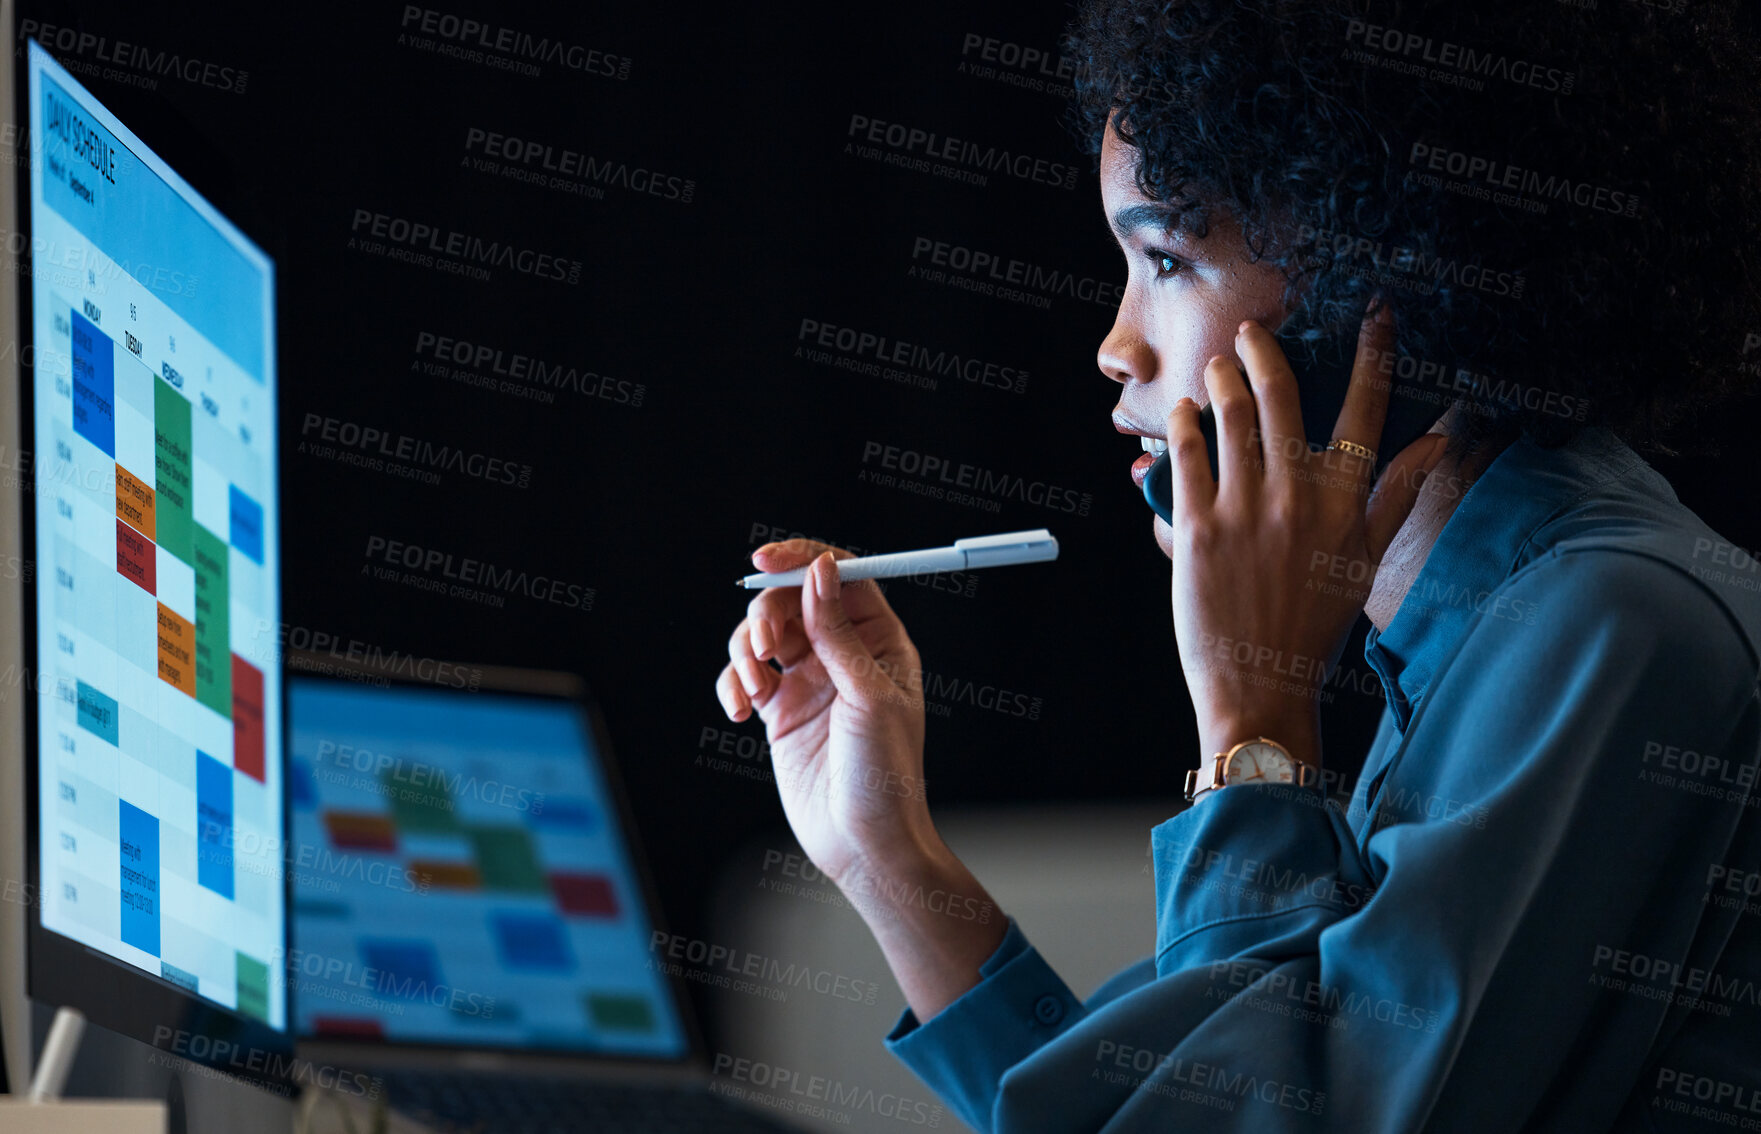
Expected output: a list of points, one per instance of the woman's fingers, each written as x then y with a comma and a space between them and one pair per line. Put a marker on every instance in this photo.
1238, 443
733, 697
1366, 398
1273, 385
834, 637
862, 599
1191, 486
1397, 491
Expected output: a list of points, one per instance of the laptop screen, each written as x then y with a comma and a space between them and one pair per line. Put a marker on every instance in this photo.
461, 877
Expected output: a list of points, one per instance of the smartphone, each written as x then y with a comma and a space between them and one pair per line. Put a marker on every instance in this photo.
1323, 374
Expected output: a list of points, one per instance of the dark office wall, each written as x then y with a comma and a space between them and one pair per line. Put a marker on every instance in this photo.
695, 418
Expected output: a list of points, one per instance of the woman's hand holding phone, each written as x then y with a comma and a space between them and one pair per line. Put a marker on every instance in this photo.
1274, 558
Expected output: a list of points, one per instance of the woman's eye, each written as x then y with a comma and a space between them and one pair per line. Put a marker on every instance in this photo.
1165, 265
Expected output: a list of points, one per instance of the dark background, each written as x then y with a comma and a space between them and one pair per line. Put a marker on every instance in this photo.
655, 506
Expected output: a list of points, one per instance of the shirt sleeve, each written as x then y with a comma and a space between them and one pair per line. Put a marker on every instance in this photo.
1441, 965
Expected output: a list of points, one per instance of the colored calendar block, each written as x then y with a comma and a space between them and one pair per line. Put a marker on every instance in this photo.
507, 859
177, 656
171, 470
213, 616
97, 713
531, 942
247, 524
138, 835
94, 385
584, 895
134, 502
616, 1012
361, 830
135, 558
253, 986
214, 868
247, 718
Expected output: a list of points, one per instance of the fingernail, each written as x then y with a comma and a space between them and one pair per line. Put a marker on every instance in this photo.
743, 670
1245, 324
761, 639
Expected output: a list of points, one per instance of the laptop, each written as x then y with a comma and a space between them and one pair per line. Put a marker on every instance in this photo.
472, 916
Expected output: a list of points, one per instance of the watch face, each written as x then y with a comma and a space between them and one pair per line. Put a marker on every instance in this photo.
1260, 763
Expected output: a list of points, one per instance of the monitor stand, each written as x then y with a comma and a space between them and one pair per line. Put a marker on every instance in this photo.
112, 1075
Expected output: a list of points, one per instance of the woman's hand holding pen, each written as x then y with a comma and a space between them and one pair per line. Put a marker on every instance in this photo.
844, 715
1274, 559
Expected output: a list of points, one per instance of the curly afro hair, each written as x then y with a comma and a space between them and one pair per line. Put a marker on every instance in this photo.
1557, 197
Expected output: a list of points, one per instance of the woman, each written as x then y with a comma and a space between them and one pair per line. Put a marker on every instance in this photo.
1534, 914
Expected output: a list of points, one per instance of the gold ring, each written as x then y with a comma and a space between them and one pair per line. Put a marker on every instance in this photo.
1354, 449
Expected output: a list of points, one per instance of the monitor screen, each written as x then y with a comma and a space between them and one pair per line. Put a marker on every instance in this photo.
464, 878
152, 426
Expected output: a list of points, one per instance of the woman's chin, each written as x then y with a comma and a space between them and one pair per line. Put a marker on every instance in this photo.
1164, 536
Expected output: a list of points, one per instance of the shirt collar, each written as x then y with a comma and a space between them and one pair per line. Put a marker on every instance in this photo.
1480, 546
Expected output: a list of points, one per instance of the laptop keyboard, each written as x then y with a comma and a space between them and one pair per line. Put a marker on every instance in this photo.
507, 1104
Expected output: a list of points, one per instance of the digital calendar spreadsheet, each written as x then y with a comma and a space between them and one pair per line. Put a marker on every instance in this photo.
152, 440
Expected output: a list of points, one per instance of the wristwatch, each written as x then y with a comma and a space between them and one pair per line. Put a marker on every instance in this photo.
1256, 761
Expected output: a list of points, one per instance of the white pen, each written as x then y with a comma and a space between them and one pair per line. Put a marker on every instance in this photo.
1036, 546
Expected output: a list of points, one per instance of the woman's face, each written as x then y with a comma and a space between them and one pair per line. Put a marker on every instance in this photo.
1184, 298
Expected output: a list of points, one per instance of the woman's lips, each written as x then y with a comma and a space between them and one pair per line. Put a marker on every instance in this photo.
1140, 468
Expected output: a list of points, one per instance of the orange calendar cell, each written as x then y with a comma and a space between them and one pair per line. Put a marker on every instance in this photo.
177, 650
134, 502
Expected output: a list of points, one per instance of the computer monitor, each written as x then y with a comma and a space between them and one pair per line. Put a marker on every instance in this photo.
154, 799
470, 879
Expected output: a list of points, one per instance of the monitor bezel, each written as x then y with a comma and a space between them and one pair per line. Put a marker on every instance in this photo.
552, 687
61, 971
